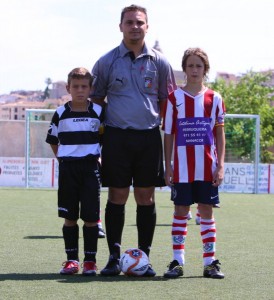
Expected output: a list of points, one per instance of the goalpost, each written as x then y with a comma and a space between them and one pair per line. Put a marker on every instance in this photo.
243, 141
37, 118
242, 145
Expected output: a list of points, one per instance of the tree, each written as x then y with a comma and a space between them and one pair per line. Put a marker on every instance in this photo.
251, 94
48, 82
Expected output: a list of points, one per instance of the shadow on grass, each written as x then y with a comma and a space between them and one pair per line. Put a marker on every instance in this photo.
81, 279
42, 237
166, 225
170, 225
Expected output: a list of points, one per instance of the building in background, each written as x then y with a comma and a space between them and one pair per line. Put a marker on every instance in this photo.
14, 105
16, 110
58, 90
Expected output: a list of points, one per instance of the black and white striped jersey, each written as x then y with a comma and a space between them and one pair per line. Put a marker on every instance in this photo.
76, 133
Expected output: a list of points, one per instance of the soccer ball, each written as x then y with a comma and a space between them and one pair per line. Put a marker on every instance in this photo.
134, 262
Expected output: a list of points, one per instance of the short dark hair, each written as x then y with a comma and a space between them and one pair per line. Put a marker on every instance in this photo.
200, 53
80, 73
133, 7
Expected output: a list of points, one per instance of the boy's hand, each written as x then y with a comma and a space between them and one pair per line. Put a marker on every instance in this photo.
218, 176
169, 176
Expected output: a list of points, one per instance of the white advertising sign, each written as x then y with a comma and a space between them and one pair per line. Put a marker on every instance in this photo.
43, 173
240, 178
12, 171
271, 179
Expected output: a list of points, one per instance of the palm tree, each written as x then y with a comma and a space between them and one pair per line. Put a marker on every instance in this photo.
48, 82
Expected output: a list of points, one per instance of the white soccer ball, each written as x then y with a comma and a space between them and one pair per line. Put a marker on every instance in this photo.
134, 262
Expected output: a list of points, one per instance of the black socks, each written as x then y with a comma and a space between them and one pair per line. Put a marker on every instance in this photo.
146, 222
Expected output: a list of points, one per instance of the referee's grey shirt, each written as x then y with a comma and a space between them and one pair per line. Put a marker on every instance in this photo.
133, 86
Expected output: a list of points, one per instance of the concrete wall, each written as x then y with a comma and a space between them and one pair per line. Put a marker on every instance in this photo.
13, 139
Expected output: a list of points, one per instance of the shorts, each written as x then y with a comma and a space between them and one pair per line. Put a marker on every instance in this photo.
79, 190
132, 157
194, 192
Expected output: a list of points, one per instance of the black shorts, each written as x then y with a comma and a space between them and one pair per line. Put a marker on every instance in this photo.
79, 190
194, 192
132, 157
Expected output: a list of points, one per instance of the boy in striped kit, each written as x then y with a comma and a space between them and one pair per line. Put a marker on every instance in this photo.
74, 138
194, 124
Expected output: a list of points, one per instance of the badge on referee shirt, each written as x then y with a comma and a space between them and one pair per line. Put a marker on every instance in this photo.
148, 82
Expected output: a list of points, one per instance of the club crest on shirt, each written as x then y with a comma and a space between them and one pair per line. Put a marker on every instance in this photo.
94, 125
148, 82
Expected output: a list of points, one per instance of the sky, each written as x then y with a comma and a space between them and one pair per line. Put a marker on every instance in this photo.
42, 39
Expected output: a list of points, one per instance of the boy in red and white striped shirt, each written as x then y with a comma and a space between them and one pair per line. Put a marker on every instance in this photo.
194, 133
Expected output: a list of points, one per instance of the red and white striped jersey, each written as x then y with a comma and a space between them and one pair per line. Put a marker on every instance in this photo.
192, 120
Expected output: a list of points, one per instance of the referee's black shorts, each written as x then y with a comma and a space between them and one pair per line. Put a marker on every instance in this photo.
132, 157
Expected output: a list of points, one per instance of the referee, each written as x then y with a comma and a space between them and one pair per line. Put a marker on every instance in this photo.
135, 80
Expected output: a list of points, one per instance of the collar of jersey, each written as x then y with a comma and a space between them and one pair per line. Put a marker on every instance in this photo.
146, 51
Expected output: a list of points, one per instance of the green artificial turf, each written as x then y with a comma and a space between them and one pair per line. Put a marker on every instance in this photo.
32, 252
